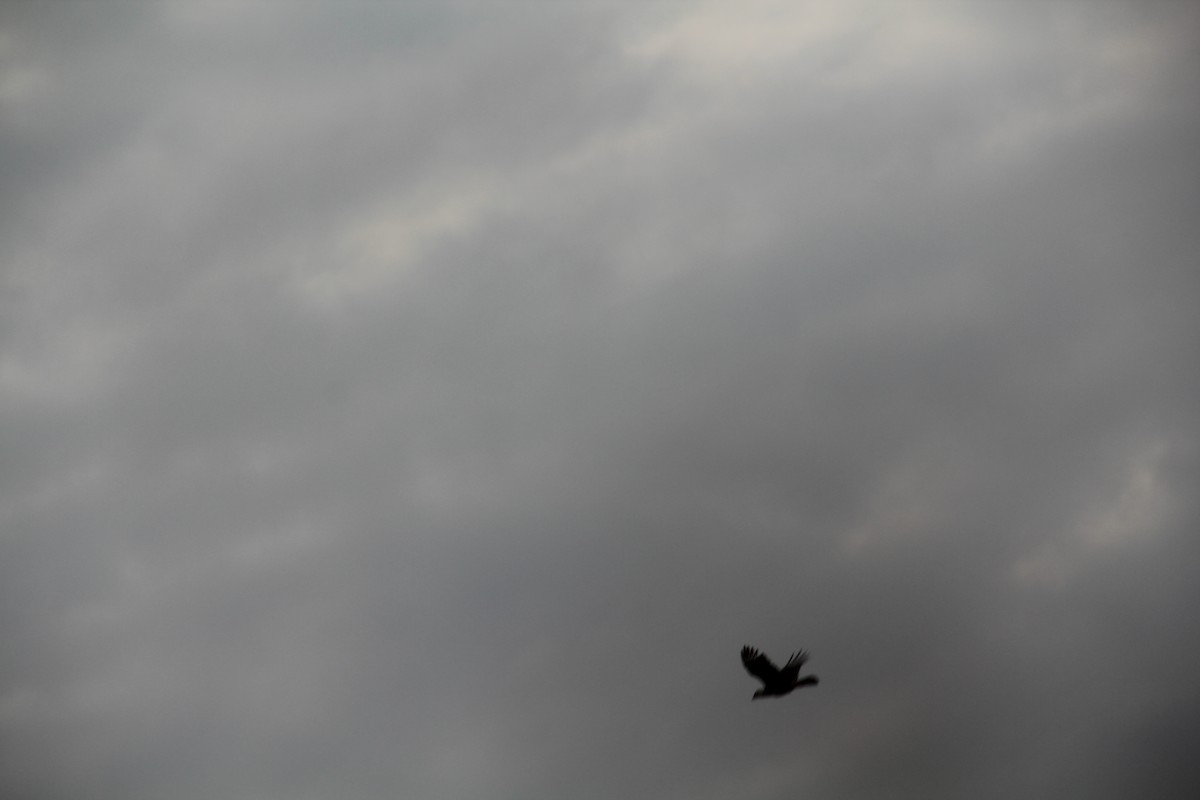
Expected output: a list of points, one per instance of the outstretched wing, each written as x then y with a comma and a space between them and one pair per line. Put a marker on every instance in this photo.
791, 670
759, 665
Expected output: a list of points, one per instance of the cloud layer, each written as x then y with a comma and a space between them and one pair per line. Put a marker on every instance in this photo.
430, 400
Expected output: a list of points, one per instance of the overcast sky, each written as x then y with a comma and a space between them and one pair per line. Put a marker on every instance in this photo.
428, 400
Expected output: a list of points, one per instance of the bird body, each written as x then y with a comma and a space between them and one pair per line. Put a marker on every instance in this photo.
776, 682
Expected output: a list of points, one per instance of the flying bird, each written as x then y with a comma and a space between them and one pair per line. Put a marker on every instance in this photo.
776, 682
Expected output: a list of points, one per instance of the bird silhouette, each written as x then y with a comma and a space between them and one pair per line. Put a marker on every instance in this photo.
776, 682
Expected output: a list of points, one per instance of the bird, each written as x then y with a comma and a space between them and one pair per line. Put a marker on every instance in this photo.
776, 682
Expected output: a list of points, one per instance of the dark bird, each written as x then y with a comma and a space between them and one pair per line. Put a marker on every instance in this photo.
776, 682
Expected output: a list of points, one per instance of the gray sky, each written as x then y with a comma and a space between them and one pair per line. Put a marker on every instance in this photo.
428, 400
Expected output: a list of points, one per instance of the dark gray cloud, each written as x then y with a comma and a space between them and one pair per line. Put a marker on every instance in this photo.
430, 400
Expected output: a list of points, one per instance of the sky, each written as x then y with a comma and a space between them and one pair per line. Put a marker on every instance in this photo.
429, 399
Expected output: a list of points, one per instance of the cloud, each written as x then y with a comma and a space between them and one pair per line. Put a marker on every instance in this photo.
431, 400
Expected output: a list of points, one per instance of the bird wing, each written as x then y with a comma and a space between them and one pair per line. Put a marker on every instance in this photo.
791, 669
759, 665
